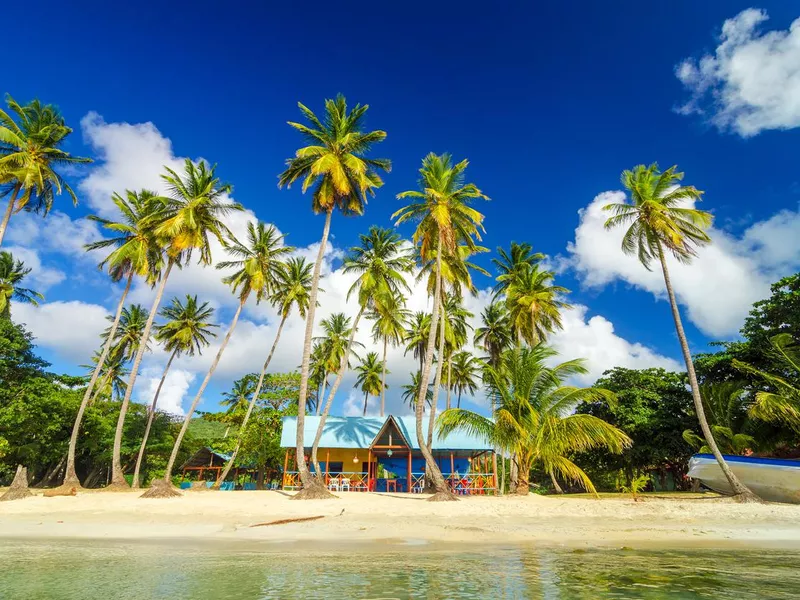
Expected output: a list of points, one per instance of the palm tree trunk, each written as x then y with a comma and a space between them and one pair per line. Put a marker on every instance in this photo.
383, 378
555, 484
740, 491
312, 487
523, 473
70, 476
177, 446
332, 393
4, 225
252, 404
449, 380
459, 399
322, 397
366, 396
432, 469
437, 380
150, 418
117, 476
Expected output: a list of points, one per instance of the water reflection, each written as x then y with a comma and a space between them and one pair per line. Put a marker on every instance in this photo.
110, 571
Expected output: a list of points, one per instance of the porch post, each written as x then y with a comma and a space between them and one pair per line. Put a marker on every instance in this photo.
285, 467
494, 472
408, 485
452, 467
327, 465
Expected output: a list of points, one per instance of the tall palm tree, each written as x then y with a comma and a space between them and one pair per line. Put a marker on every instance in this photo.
129, 334
417, 334
318, 377
113, 374
30, 151
781, 403
445, 220
494, 335
511, 264
456, 334
532, 418
534, 304
290, 289
388, 326
726, 411
660, 223
187, 330
255, 268
136, 252
369, 377
466, 374
342, 176
411, 391
237, 399
381, 262
195, 207
12, 273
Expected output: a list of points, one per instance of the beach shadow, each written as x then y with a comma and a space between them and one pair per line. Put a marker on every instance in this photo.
359, 431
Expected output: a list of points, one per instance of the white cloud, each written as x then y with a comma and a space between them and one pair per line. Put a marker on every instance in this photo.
173, 392
752, 81
71, 329
717, 288
40, 278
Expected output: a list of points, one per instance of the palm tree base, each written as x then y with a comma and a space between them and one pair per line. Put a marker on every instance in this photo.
161, 489
445, 496
315, 491
117, 487
748, 497
65, 489
19, 487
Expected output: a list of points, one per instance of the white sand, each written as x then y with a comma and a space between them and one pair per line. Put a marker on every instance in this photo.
370, 517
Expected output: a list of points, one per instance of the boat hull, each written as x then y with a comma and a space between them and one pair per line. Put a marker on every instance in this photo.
771, 479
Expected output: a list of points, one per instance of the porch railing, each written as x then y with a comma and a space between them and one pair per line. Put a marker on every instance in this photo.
466, 484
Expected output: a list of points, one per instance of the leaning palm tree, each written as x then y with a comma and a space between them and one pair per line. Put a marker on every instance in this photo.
255, 268
342, 176
12, 273
388, 326
466, 374
187, 330
445, 220
381, 263
661, 223
136, 252
195, 207
533, 417
368, 377
291, 289
534, 304
30, 151
725, 406
781, 404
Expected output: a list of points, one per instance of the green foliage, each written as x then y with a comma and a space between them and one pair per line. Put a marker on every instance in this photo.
12, 273
653, 408
636, 486
725, 406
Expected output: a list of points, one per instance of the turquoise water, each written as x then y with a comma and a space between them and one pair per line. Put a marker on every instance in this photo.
111, 571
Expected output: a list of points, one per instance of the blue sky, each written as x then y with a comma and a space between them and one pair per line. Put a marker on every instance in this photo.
549, 103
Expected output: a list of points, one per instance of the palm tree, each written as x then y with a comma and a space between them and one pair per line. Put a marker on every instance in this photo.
533, 303
369, 377
129, 334
254, 274
113, 377
136, 253
456, 334
445, 220
291, 289
466, 374
660, 223
30, 149
186, 331
318, 376
494, 335
411, 391
194, 209
417, 334
532, 418
12, 272
388, 326
336, 165
380, 262
782, 403
512, 263
338, 349
237, 399
725, 406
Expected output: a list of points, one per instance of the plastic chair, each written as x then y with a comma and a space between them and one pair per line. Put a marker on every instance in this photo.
333, 485
185, 485
345, 485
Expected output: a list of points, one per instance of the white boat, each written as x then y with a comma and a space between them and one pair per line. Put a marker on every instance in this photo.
773, 479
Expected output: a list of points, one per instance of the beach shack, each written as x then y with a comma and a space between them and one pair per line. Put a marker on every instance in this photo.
206, 465
381, 454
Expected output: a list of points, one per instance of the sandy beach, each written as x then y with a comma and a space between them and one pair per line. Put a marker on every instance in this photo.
354, 518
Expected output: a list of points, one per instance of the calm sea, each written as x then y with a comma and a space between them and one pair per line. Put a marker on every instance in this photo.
125, 570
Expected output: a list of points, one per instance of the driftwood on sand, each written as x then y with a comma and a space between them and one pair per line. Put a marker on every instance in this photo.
285, 521
61, 491
19, 487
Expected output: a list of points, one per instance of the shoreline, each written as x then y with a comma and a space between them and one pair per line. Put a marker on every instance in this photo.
401, 522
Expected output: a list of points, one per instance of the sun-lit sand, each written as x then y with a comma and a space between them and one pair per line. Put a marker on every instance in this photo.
356, 517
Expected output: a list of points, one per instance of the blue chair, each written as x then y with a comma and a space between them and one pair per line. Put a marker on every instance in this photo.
185, 485
249, 486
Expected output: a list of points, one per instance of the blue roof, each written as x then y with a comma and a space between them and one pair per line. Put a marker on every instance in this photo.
359, 432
